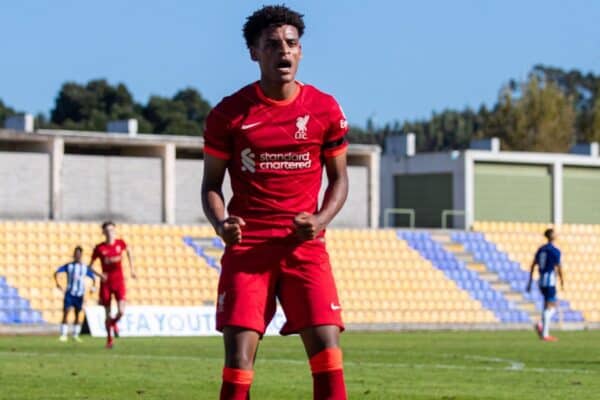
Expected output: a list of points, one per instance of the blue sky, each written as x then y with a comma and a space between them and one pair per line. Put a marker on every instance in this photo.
390, 60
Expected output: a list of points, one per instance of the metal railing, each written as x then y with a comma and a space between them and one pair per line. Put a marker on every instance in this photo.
399, 211
446, 213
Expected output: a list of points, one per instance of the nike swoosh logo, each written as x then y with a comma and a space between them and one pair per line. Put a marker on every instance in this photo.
335, 307
248, 126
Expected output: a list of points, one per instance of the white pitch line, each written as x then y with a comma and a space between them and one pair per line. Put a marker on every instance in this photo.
514, 365
349, 363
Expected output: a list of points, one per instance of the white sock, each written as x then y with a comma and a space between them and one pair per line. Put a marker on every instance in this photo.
547, 318
64, 328
76, 330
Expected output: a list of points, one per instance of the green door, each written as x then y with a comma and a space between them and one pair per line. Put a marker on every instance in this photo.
427, 194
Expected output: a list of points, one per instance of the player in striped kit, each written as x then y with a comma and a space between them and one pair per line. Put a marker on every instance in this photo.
547, 258
76, 273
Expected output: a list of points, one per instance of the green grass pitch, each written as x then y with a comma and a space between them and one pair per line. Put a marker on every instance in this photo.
405, 365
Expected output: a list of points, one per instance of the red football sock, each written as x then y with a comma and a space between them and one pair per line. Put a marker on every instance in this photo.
107, 325
236, 384
328, 375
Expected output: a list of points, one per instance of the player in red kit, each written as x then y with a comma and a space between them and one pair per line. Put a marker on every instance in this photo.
110, 252
274, 137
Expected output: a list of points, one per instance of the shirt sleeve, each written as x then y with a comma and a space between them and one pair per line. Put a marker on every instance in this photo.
335, 142
217, 135
62, 269
558, 256
123, 245
89, 272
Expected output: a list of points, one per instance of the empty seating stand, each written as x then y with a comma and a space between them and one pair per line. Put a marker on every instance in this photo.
168, 272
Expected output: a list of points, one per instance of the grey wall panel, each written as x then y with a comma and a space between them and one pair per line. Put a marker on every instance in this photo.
513, 192
85, 188
188, 203
355, 212
24, 185
136, 188
188, 182
581, 195
122, 188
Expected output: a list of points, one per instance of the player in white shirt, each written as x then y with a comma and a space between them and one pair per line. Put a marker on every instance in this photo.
76, 273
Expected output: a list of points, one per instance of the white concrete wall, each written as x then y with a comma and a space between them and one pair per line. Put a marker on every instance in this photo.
24, 185
355, 213
122, 188
188, 182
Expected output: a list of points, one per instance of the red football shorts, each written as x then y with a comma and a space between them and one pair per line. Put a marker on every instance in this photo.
299, 275
110, 287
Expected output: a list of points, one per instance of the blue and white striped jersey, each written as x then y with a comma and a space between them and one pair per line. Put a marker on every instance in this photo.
76, 273
547, 258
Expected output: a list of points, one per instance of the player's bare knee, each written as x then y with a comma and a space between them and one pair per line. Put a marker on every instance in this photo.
240, 359
317, 339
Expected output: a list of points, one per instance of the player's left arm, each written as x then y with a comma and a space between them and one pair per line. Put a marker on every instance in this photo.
559, 271
130, 259
334, 148
309, 225
531, 269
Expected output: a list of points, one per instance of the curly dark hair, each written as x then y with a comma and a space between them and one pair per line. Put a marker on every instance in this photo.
107, 223
271, 16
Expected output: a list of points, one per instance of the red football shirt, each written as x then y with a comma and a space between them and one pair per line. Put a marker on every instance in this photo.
276, 152
111, 256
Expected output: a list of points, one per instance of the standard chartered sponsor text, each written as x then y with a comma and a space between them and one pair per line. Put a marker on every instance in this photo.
288, 161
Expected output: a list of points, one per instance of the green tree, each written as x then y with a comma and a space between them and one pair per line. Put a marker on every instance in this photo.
5, 112
90, 107
541, 119
184, 114
196, 107
592, 133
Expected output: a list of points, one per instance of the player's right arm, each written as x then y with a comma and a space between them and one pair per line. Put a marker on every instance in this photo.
59, 270
213, 202
218, 148
559, 271
91, 265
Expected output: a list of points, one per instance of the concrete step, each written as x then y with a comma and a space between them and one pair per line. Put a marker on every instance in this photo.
488, 277
442, 238
514, 297
526, 306
478, 267
454, 248
501, 286
466, 258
